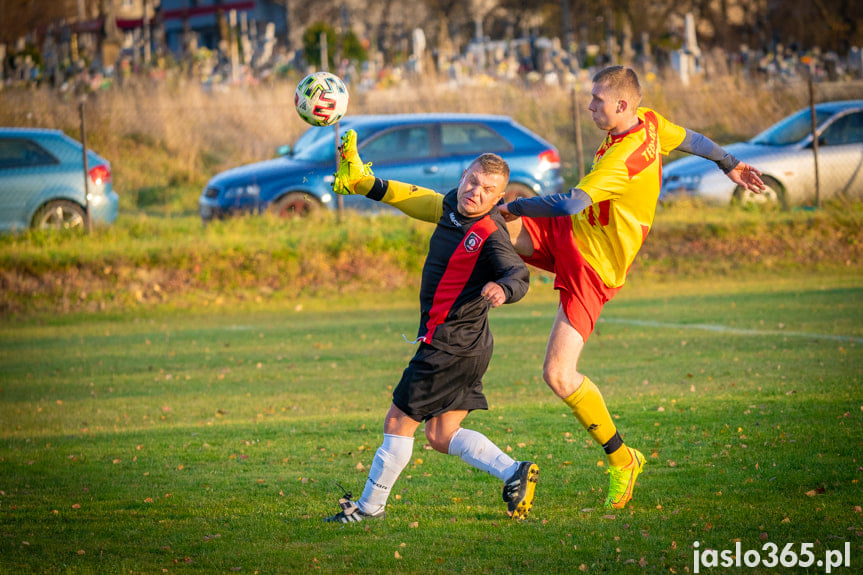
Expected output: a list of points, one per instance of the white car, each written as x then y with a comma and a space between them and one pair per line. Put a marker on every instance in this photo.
784, 155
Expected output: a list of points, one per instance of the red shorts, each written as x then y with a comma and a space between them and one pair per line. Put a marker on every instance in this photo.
582, 291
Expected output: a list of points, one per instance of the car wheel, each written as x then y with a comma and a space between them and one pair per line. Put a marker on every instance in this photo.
60, 215
294, 204
773, 195
515, 190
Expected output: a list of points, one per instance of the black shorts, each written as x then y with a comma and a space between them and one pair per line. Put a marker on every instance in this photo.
435, 382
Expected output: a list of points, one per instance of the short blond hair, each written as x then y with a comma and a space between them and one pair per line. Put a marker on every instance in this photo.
622, 81
491, 164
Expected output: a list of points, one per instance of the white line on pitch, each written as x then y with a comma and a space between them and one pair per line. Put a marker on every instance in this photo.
730, 330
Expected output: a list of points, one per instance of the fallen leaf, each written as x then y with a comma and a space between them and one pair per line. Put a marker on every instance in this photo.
397, 555
414, 525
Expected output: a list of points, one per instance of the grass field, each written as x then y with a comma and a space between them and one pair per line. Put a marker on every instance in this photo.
182, 442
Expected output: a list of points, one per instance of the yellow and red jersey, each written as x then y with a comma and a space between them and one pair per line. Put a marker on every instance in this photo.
624, 185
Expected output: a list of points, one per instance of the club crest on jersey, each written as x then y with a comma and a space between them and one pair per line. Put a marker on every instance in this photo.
472, 242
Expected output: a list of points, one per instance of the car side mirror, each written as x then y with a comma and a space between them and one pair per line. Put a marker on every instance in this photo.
284, 151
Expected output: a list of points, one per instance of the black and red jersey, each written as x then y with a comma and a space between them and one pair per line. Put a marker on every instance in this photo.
464, 254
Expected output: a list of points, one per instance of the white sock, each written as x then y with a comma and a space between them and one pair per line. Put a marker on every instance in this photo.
477, 450
390, 459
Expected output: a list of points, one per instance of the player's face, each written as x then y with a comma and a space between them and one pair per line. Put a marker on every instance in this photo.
604, 108
479, 192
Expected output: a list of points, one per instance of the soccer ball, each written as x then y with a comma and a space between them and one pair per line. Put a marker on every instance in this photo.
321, 99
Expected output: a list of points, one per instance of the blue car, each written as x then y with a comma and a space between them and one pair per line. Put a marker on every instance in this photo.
429, 150
42, 182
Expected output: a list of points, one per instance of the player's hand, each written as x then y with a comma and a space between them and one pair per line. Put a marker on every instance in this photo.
507, 215
493, 294
747, 177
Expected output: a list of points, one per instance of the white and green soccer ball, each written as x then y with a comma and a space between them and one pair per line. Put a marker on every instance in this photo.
321, 99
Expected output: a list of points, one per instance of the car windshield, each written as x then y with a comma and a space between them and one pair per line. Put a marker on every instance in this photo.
318, 149
319, 144
790, 130
308, 138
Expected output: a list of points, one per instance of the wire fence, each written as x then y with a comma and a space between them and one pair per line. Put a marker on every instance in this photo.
164, 141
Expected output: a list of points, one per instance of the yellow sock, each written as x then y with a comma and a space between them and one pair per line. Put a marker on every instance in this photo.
589, 408
364, 185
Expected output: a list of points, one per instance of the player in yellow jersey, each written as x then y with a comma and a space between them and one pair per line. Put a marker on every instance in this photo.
590, 236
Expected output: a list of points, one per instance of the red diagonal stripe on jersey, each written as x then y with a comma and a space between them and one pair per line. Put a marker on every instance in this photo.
458, 270
648, 151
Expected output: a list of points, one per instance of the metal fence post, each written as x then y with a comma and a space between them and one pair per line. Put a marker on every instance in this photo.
340, 200
814, 136
576, 119
86, 168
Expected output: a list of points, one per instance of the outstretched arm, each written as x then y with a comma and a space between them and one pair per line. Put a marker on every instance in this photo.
739, 172
566, 204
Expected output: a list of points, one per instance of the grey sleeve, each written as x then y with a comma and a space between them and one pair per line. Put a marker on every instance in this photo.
699, 145
551, 206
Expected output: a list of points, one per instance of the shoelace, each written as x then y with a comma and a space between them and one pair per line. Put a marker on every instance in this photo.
347, 494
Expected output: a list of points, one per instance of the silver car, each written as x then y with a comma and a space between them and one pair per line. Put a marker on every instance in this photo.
784, 155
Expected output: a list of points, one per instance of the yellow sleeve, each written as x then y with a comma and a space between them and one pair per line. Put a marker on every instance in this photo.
420, 203
609, 178
670, 135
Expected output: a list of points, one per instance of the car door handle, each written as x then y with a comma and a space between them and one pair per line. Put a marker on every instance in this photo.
431, 169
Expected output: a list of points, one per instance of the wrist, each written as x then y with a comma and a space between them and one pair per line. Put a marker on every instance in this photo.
514, 207
727, 163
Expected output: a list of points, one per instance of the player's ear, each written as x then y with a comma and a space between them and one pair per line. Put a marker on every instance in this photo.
622, 105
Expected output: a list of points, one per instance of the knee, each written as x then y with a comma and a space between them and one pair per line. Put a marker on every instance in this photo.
438, 439
561, 380
554, 375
